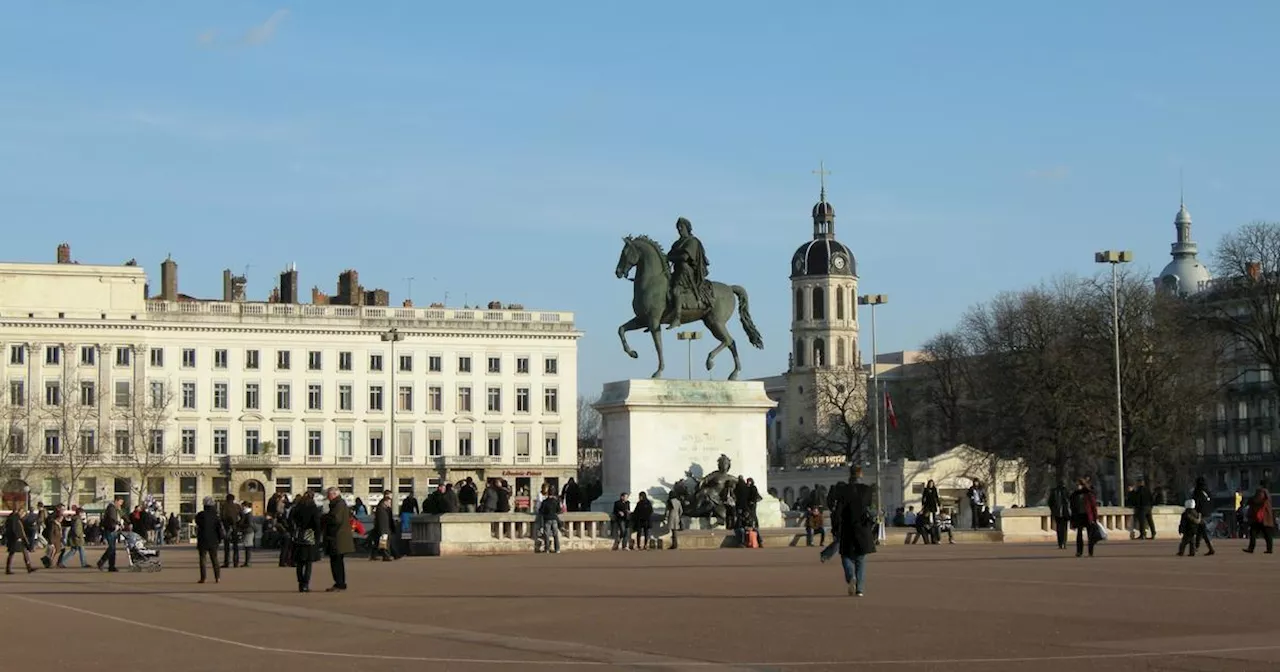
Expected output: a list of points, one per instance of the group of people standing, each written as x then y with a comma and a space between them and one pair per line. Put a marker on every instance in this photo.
306, 532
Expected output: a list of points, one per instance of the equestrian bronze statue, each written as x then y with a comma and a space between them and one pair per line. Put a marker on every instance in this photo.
673, 289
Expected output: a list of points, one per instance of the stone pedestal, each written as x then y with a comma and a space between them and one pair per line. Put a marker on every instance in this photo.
657, 431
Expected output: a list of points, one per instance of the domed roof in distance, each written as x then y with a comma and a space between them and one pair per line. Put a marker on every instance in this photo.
823, 256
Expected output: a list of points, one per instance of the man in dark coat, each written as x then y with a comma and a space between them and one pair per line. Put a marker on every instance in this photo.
571, 495
229, 514
1142, 502
409, 505
16, 540
1060, 511
1204, 506
209, 536
111, 534
337, 539
835, 501
857, 533
467, 496
451, 503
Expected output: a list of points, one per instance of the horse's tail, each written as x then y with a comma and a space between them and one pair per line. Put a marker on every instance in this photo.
744, 313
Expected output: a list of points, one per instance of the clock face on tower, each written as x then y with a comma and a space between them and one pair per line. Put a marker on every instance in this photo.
838, 262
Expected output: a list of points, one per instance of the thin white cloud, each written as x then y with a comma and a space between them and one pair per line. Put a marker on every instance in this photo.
263, 32
255, 36
1050, 174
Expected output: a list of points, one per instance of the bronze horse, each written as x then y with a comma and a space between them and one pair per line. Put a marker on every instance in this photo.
649, 302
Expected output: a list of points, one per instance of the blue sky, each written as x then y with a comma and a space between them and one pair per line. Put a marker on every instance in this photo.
975, 147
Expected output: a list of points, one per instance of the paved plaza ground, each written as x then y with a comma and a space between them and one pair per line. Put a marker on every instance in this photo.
965, 607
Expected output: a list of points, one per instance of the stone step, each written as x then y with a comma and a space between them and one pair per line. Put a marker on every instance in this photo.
781, 537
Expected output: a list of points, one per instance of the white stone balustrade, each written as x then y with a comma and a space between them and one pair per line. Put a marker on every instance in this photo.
1034, 523
495, 533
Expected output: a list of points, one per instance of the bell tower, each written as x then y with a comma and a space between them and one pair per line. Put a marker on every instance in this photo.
824, 318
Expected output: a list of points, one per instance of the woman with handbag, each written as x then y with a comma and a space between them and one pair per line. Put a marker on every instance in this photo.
383, 527
1084, 516
305, 520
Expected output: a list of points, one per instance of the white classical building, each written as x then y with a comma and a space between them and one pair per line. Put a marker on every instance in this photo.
108, 392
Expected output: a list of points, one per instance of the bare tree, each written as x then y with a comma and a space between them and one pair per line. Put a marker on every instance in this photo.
67, 416
1030, 376
1245, 303
842, 427
589, 421
15, 456
948, 358
144, 444
1169, 363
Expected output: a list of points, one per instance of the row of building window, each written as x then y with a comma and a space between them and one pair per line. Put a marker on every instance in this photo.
254, 443
818, 357
1243, 445
818, 307
284, 360
158, 397
1265, 409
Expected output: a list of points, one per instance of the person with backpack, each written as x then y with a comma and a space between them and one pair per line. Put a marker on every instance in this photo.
549, 514
1261, 518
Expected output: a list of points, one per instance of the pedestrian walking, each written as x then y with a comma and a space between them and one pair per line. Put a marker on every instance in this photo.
1262, 520
209, 536
338, 541
16, 540
857, 534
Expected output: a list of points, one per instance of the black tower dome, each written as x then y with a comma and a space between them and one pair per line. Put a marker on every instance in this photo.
824, 255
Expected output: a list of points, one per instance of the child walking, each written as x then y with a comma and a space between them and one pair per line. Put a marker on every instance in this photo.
1188, 527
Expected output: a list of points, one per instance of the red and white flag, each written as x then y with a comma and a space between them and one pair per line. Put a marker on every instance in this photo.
888, 407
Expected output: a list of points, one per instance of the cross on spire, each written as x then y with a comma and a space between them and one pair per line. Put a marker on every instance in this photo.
822, 174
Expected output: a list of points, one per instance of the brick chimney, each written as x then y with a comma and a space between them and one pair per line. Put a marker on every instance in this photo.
349, 291
1253, 269
289, 285
169, 280
408, 303
64, 253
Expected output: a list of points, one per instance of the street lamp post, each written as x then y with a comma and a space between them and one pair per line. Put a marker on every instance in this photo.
874, 300
1115, 258
690, 337
393, 336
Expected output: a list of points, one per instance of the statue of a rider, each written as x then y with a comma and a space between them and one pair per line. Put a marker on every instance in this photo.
689, 289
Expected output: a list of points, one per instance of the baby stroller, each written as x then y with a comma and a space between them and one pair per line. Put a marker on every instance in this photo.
141, 558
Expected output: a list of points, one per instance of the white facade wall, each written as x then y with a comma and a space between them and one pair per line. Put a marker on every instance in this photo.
206, 348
